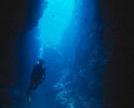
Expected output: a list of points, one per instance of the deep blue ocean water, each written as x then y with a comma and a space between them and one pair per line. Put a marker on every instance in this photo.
68, 37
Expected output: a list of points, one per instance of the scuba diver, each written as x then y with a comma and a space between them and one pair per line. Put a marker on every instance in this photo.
37, 76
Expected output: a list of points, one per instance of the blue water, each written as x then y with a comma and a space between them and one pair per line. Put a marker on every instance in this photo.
68, 38
54, 21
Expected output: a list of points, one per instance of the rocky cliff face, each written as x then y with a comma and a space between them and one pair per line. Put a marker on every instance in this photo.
16, 18
119, 74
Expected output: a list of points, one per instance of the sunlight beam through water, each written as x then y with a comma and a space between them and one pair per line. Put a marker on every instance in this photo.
54, 21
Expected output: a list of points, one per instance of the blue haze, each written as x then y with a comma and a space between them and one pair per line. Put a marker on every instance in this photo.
68, 37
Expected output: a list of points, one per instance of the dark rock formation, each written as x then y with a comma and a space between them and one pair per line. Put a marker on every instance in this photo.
119, 77
16, 17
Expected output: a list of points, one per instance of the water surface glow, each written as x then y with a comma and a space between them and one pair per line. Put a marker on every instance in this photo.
54, 21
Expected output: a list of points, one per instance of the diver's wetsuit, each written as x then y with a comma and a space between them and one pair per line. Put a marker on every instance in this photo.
37, 77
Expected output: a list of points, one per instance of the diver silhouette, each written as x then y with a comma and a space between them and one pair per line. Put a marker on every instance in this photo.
37, 77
